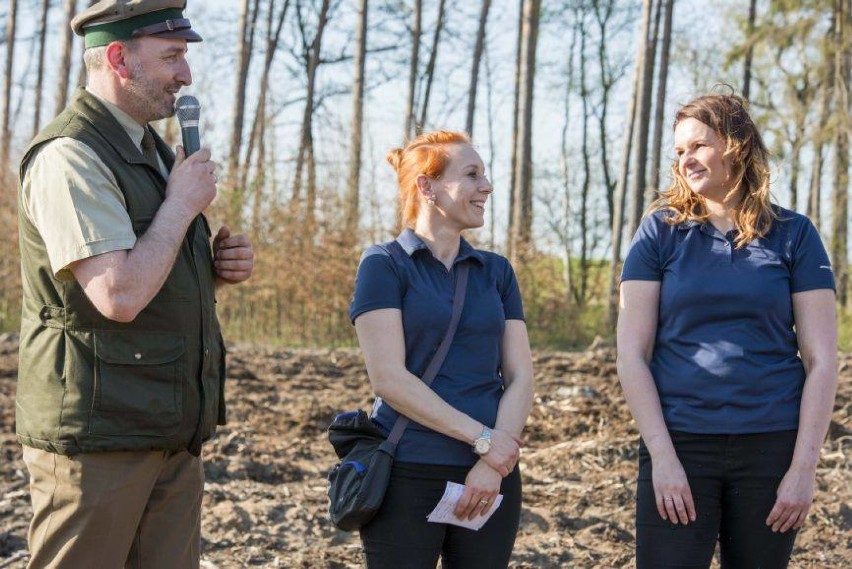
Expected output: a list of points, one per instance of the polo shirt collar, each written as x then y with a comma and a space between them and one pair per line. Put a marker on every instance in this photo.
707, 228
411, 243
134, 130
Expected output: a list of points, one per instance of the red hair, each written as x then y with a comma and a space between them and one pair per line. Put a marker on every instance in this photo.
426, 155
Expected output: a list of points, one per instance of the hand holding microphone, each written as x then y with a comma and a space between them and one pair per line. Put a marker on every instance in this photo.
233, 254
192, 182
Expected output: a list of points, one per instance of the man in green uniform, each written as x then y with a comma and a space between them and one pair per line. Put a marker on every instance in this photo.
122, 361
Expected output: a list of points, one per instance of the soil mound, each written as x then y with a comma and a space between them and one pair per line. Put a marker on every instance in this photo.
265, 502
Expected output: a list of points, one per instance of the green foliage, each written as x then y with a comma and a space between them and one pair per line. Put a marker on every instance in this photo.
554, 318
300, 291
844, 329
10, 265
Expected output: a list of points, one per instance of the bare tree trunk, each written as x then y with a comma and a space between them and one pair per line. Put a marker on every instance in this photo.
621, 193
306, 145
64, 71
354, 180
840, 196
795, 161
248, 21
489, 103
565, 225
515, 119
259, 122
7, 84
644, 107
430, 67
584, 194
752, 13
42, 34
662, 78
522, 225
260, 174
413, 70
257, 138
474, 68
815, 197
311, 193
603, 13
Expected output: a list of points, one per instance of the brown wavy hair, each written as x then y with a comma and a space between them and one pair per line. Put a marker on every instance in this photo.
728, 116
427, 155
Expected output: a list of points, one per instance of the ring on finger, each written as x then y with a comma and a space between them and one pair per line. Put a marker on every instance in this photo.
484, 501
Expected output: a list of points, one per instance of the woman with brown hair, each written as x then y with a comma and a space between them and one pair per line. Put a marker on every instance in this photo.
465, 427
727, 343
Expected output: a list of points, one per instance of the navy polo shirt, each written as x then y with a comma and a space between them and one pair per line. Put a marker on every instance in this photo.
726, 359
422, 288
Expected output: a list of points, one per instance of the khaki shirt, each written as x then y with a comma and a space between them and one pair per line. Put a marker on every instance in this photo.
74, 200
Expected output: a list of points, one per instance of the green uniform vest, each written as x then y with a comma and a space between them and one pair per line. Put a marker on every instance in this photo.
90, 384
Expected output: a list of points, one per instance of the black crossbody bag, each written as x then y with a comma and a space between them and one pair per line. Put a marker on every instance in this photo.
357, 484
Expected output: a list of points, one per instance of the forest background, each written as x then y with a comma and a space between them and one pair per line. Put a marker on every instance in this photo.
570, 103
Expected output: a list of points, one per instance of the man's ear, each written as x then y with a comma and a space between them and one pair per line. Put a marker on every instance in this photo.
424, 185
116, 59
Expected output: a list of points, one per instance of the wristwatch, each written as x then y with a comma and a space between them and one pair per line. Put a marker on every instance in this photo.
482, 444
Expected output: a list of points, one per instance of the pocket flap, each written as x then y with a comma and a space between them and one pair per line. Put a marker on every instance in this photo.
138, 348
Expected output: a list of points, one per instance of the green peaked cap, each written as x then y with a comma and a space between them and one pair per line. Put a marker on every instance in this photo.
119, 20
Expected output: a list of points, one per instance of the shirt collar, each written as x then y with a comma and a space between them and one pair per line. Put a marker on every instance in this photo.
134, 130
688, 224
411, 243
706, 228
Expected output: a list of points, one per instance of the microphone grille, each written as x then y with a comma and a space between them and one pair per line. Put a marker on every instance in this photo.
188, 108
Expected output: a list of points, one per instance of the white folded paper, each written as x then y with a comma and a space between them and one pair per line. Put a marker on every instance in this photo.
443, 512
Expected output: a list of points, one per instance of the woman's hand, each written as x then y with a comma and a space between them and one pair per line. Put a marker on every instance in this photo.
481, 487
504, 453
671, 489
795, 495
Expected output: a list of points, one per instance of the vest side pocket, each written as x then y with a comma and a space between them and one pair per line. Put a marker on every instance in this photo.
138, 384
41, 382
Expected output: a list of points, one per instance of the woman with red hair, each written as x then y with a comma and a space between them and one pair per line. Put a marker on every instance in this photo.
465, 427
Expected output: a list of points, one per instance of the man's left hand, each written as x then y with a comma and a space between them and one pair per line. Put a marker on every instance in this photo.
233, 256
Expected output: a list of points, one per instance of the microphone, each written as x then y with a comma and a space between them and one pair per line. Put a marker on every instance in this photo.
188, 112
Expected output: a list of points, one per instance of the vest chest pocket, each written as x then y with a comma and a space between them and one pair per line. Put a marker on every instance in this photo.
138, 384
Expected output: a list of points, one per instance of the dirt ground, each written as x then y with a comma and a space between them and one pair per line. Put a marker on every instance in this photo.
265, 502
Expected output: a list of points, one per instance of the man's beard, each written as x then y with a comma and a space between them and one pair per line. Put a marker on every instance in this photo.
148, 98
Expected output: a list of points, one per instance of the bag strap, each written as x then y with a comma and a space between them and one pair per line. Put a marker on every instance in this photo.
441, 354
397, 252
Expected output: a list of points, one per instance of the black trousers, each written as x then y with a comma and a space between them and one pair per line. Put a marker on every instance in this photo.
399, 537
733, 480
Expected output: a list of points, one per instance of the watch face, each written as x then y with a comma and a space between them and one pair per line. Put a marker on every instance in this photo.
482, 446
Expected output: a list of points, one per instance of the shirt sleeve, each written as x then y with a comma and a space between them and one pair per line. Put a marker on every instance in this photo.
513, 304
377, 284
811, 268
643, 259
74, 201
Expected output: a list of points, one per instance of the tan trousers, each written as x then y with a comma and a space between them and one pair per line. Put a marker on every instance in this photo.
136, 510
